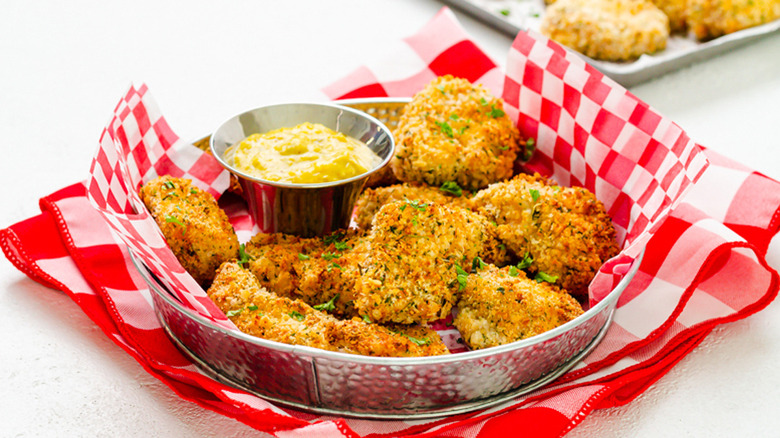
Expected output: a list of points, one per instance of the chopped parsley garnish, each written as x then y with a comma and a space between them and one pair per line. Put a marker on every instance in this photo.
534, 194
333, 238
454, 117
421, 342
302, 256
530, 146
330, 256
513, 271
526, 262
441, 89
504, 12
496, 112
462, 277
297, 315
415, 205
366, 319
232, 313
243, 257
483, 102
169, 185
173, 219
341, 246
332, 265
193, 191
252, 307
477, 264
452, 188
327, 307
445, 128
541, 276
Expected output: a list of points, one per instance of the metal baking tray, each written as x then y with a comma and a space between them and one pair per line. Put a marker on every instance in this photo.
680, 52
343, 384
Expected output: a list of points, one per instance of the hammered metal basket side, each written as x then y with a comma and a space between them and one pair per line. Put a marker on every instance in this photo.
438, 386
377, 387
278, 373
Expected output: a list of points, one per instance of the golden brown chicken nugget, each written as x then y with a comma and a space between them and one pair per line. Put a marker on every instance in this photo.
611, 30
677, 11
712, 18
455, 131
196, 229
562, 233
320, 271
418, 252
499, 306
372, 199
258, 312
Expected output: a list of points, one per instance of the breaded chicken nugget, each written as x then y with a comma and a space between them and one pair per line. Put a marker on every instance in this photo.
382, 177
712, 18
454, 131
261, 313
611, 30
319, 271
499, 306
565, 231
418, 253
196, 229
372, 199
676, 10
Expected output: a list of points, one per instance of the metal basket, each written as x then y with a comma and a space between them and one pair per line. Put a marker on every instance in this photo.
343, 384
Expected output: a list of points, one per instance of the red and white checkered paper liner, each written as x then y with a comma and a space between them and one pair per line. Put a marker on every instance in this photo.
704, 261
135, 147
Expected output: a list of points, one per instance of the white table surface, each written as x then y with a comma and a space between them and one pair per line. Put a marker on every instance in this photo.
64, 65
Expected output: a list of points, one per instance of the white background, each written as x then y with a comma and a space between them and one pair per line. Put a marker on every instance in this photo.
63, 67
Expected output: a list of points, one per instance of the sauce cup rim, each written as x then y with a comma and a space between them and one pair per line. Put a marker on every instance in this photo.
385, 160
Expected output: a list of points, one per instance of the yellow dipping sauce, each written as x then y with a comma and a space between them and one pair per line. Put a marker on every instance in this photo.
308, 153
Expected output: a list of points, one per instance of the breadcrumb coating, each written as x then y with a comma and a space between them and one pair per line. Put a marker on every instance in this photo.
258, 312
712, 18
677, 11
372, 199
417, 251
610, 30
382, 177
566, 232
196, 229
455, 131
499, 306
316, 270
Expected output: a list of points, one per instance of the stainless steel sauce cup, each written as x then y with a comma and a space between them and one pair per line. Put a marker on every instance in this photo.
302, 209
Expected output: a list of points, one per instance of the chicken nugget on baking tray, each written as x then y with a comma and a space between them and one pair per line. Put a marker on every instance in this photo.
610, 30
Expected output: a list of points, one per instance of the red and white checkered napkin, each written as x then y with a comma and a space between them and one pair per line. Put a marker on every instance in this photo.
703, 220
